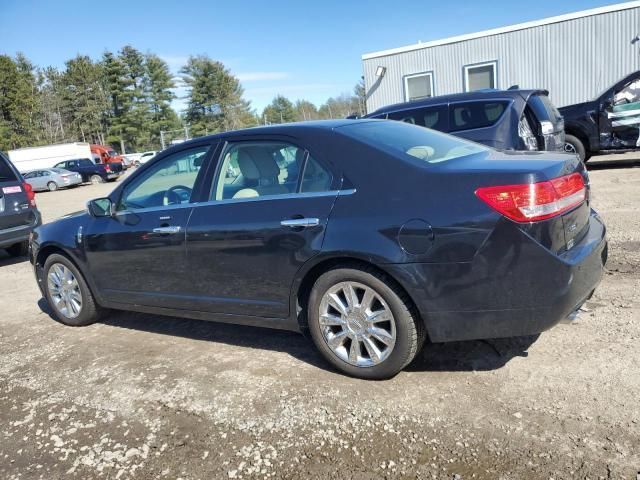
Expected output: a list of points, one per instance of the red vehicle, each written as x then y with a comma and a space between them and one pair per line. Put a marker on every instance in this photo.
106, 154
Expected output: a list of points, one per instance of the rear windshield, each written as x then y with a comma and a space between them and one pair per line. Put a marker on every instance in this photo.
6, 172
543, 109
417, 142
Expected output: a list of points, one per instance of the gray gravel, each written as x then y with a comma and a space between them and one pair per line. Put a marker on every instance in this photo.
141, 396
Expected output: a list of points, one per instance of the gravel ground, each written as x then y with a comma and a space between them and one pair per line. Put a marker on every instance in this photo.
141, 396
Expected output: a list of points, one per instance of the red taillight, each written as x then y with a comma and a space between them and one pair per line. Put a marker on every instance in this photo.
531, 202
30, 195
107, 168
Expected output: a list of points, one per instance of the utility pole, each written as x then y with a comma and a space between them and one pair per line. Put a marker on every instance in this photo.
162, 139
186, 133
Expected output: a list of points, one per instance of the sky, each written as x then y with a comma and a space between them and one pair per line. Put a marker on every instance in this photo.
298, 49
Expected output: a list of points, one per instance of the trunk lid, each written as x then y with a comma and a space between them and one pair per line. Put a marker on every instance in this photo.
558, 233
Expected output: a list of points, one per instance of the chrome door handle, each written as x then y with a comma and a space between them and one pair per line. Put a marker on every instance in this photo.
167, 230
300, 222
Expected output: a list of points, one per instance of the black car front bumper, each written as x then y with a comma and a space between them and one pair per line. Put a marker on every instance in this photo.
506, 292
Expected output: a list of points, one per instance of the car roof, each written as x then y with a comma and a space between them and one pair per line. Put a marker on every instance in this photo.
279, 129
487, 94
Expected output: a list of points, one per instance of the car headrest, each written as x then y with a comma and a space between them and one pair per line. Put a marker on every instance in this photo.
247, 165
264, 161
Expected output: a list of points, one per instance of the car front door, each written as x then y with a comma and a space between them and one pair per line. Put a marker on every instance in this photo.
137, 256
619, 119
266, 216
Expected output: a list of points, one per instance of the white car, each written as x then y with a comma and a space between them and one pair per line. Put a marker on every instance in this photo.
145, 157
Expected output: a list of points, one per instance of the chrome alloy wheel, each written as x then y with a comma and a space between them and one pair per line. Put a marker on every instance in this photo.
64, 290
569, 148
357, 324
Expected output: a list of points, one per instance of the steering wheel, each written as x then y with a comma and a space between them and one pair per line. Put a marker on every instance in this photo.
172, 195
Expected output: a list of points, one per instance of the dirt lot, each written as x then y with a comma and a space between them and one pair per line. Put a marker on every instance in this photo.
152, 397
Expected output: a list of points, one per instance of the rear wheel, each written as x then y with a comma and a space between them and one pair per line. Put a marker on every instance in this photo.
19, 249
574, 145
95, 179
363, 324
68, 293
52, 186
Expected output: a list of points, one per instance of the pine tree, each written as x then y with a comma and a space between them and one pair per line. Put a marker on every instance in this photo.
215, 101
280, 110
158, 88
84, 101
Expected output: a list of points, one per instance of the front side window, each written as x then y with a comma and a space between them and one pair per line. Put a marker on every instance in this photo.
468, 115
480, 76
418, 86
168, 182
259, 169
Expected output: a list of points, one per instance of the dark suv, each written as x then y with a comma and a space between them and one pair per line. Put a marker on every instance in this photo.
91, 172
18, 212
511, 119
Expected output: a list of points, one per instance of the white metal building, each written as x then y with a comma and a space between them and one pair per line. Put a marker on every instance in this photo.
574, 56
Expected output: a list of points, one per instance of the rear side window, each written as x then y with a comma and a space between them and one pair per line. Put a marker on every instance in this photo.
86, 163
465, 116
431, 117
6, 172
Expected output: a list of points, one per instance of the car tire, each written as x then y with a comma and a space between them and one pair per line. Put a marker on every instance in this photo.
19, 249
95, 179
574, 145
64, 304
52, 186
404, 332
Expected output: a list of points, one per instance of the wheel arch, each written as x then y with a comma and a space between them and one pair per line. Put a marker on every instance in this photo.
580, 134
304, 283
49, 249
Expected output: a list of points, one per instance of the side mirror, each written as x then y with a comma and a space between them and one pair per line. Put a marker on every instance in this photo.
100, 207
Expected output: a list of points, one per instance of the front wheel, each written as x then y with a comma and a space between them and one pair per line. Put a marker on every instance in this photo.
363, 323
574, 145
95, 179
68, 294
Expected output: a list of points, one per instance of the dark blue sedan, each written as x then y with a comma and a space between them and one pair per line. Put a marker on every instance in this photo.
373, 236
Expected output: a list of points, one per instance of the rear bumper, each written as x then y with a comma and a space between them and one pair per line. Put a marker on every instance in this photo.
11, 236
513, 292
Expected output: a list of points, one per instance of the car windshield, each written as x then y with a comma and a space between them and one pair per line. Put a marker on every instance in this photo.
112, 153
410, 140
57, 170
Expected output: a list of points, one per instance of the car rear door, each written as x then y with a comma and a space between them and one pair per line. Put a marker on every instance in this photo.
266, 215
15, 211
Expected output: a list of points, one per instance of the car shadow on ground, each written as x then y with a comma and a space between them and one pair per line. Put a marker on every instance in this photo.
454, 357
6, 259
613, 164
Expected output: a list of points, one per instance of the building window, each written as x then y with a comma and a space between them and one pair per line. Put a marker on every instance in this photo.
417, 86
480, 76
